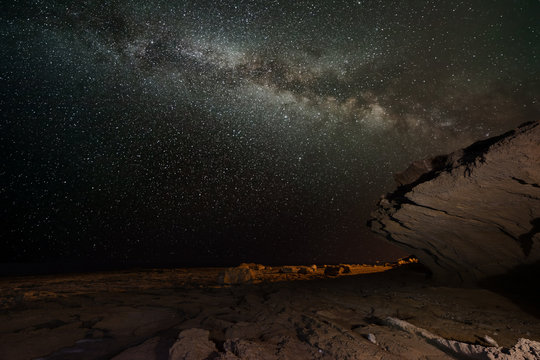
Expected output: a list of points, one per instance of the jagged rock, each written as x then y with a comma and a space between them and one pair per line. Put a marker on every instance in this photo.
237, 275
471, 214
525, 349
419, 168
192, 344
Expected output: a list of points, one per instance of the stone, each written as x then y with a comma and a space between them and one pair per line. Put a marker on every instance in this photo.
237, 275
371, 338
192, 344
472, 214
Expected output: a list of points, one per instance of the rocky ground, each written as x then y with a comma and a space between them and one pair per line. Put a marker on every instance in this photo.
253, 312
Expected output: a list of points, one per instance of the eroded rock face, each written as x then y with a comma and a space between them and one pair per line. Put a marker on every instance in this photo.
470, 214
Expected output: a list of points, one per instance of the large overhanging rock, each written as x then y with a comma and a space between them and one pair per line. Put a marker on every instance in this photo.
471, 214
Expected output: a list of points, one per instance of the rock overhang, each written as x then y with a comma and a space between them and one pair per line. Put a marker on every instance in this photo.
471, 214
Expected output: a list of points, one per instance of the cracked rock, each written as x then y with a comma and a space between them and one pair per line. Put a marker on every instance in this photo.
192, 344
471, 214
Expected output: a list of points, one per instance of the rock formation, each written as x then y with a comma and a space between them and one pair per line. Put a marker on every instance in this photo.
473, 213
525, 349
237, 275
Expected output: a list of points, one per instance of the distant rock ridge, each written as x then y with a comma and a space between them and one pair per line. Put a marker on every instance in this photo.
471, 214
250, 273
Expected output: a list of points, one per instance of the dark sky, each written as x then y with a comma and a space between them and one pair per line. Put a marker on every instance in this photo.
207, 132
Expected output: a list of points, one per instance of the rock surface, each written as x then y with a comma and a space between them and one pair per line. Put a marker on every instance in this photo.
145, 351
245, 274
238, 275
151, 315
525, 349
472, 214
192, 344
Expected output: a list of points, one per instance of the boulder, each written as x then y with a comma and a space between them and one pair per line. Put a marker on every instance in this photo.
237, 275
472, 214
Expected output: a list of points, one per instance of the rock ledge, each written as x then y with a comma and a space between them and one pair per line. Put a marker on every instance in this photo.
471, 214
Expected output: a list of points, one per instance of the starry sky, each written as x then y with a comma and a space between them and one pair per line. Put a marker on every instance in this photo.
215, 132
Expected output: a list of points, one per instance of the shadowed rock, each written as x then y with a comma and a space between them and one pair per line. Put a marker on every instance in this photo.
473, 213
192, 344
525, 349
333, 270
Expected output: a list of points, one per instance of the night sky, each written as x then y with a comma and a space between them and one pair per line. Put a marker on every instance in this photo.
215, 132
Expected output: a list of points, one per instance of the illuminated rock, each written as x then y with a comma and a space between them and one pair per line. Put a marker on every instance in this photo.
473, 213
237, 275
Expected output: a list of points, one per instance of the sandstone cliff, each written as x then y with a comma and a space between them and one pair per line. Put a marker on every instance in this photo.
473, 213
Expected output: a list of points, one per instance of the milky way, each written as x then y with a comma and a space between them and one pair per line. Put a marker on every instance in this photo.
207, 132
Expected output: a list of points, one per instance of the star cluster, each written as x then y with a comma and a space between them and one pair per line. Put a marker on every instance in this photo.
207, 132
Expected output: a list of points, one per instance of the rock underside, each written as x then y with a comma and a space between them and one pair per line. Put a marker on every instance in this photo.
472, 214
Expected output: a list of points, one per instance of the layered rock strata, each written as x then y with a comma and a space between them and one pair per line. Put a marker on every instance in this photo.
472, 214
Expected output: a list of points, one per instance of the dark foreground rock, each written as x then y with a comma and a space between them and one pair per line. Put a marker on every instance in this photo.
150, 315
192, 344
472, 214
